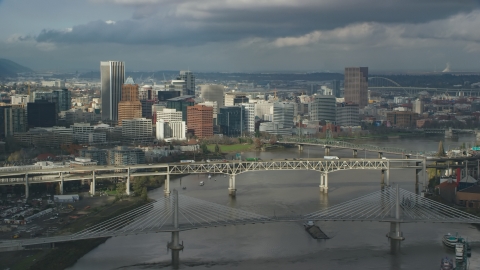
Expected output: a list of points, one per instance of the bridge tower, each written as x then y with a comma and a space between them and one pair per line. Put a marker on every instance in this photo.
395, 235
166, 189
175, 245
92, 184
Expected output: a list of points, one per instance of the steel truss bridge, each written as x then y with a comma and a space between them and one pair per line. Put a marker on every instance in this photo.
389, 204
329, 143
232, 168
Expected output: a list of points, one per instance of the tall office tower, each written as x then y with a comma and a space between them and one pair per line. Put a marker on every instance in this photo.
13, 119
322, 108
189, 79
230, 120
41, 114
283, 113
356, 86
336, 88
130, 107
200, 120
249, 120
112, 76
64, 99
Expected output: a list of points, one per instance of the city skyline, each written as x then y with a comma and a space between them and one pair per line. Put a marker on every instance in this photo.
246, 36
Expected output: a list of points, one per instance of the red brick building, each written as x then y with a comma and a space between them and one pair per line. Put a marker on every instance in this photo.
200, 120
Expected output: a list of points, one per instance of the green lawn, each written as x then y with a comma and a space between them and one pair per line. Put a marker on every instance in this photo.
231, 148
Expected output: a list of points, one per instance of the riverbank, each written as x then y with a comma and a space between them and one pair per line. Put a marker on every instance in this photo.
230, 148
66, 254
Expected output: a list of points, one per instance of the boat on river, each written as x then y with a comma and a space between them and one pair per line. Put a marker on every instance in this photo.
446, 264
450, 240
201, 183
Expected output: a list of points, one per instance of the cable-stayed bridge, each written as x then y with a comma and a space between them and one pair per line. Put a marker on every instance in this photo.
176, 213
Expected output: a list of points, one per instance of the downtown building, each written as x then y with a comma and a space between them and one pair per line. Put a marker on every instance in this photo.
348, 115
137, 130
129, 107
356, 86
169, 125
200, 120
13, 119
189, 81
322, 108
112, 76
230, 120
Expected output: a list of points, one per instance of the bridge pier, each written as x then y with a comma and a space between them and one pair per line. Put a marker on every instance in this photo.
27, 188
61, 183
166, 189
382, 178
175, 245
355, 153
92, 184
388, 173
380, 155
327, 150
321, 182
325, 183
417, 182
127, 189
300, 148
231, 186
406, 156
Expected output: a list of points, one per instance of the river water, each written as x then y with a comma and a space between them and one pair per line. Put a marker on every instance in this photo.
353, 245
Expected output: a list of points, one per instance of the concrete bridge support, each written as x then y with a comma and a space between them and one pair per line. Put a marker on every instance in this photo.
300, 148
231, 186
388, 173
61, 183
92, 184
166, 189
127, 189
324, 182
382, 178
417, 183
327, 150
380, 155
406, 156
355, 153
175, 245
27, 188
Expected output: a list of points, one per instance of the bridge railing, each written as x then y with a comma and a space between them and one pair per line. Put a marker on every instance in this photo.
343, 144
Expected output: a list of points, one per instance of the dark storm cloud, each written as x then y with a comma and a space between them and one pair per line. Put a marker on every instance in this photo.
189, 23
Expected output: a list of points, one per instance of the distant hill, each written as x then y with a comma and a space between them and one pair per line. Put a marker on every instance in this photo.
10, 69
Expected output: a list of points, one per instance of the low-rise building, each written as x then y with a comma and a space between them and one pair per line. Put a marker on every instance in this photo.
402, 119
122, 155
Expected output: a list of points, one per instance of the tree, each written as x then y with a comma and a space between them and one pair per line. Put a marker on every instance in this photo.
144, 195
258, 143
121, 190
441, 151
140, 183
217, 148
204, 148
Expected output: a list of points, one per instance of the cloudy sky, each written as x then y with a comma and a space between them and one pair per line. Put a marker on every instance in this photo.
242, 35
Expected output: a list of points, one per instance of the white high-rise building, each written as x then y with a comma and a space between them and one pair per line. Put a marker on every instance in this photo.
249, 114
418, 106
263, 108
169, 115
20, 99
112, 76
170, 130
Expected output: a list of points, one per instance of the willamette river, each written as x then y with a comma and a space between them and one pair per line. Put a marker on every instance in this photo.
353, 245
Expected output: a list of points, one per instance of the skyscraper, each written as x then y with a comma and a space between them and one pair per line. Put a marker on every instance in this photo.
200, 120
356, 85
112, 76
189, 79
129, 107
